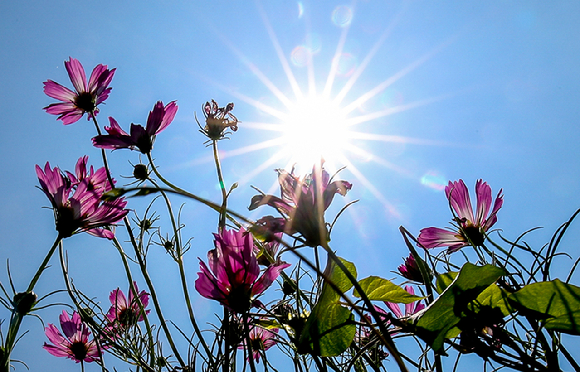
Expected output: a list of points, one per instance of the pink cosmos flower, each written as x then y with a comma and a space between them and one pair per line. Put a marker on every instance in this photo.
87, 96
123, 314
75, 343
261, 340
84, 210
232, 275
470, 228
142, 138
268, 248
302, 204
410, 309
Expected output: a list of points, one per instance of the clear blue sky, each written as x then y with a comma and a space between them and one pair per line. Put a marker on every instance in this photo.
479, 90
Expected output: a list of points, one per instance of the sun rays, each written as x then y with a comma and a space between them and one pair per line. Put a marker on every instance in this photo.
310, 123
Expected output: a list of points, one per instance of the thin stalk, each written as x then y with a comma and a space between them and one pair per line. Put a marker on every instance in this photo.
136, 296
16, 317
179, 260
385, 337
222, 221
248, 342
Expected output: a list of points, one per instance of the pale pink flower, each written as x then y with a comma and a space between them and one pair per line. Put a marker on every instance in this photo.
302, 204
469, 229
141, 138
87, 96
125, 313
232, 275
261, 340
75, 343
76, 200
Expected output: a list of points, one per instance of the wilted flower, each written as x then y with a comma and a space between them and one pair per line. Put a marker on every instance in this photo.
217, 120
232, 276
470, 229
87, 96
84, 210
75, 343
410, 309
302, 204
142, 138
262, 339
122, 313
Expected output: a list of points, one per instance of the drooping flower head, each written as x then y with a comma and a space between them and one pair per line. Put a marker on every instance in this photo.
411, 270
75, 343
232, 275
141, 138
302, 204
262, 339
76, 200
218, 120
470, 228
125, 313
410, 309
87, 96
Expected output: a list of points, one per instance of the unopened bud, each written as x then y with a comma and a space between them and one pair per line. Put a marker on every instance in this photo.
24, 301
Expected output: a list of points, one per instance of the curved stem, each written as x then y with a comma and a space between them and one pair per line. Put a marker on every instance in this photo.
179, 260
16, 317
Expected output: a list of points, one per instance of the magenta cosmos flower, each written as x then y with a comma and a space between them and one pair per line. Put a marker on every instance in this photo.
410, 309
142, 138
232, 275
125, 313
76, 200
261, 340
75, 343
86, 97
470, 229
302, 204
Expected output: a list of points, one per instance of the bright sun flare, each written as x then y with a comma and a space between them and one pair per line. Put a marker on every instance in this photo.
315, 128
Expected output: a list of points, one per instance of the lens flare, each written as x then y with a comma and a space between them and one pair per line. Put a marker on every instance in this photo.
300, 56
434, 180
342, 16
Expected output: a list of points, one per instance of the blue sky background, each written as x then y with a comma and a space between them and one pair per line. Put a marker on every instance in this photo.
480, 90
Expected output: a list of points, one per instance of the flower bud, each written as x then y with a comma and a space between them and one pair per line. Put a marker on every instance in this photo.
140, 172
24, 301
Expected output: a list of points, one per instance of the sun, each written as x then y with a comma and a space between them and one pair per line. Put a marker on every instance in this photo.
314, 128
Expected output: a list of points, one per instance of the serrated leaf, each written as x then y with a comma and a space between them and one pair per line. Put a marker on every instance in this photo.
437, 321
339, 278
555, 303
379, 289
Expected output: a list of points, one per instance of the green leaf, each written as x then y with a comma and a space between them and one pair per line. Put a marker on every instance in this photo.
555, 303
440, 319
113, 194
330, 328
444, 280
379, 289
339, 278
496, 298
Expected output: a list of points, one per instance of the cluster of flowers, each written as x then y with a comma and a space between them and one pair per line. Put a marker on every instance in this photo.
232, 274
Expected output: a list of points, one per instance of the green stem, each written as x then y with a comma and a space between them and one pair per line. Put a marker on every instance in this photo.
384, 333
222, 221
16, 317
179, 260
